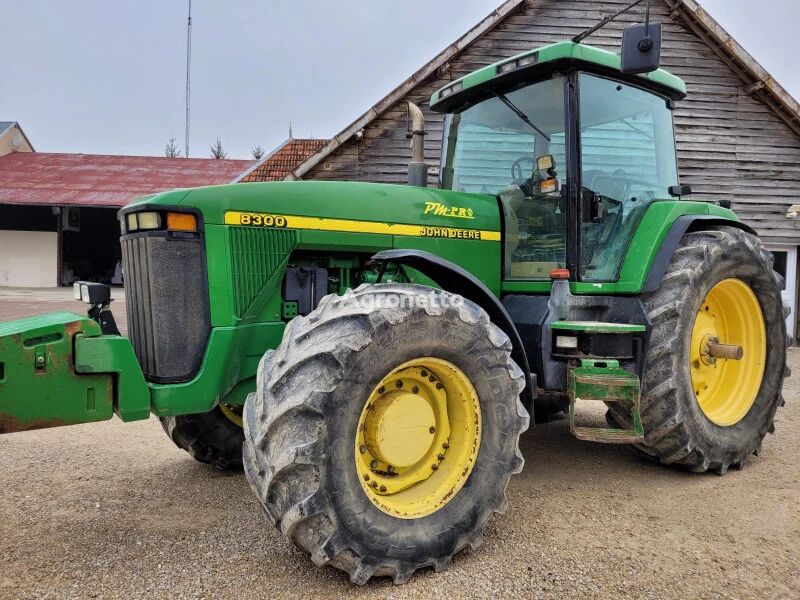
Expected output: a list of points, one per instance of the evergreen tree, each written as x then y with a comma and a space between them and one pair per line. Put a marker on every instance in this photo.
217, 151
171, 149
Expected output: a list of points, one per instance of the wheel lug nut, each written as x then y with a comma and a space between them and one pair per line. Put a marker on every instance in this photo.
440, 456
431, 378
362, 448
383, 488
366, 477
415, 390
434, 467
381, 389
374, 484
374, 464
399, 383
424, 373
439, 386
432, 429
446, 445
390, 468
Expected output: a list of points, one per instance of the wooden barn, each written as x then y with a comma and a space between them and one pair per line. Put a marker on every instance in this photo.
738, 131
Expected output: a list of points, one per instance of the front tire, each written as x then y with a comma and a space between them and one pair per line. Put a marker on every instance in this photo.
307, 432
698, 412
213, 438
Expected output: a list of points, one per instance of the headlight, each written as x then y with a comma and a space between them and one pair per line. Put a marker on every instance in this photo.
151, 220
506, 67
92, 293
566, 341
148, 220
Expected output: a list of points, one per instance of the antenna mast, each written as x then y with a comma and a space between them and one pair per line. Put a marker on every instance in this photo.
581, 36
188, 74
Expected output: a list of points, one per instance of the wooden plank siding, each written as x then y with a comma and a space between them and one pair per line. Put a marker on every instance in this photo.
731, 145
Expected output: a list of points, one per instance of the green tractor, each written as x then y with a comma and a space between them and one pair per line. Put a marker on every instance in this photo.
370, 354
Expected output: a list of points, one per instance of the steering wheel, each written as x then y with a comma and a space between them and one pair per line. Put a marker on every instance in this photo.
517, 172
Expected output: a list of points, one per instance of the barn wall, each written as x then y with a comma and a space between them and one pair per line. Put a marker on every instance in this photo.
30, 259
730, 145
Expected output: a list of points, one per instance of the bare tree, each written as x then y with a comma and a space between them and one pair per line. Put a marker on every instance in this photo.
257, 152
171, 149
217, 151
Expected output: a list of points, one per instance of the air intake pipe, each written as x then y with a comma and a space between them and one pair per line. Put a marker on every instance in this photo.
417, 168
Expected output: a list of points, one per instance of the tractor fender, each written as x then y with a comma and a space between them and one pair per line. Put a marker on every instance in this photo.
452, 278
672, 240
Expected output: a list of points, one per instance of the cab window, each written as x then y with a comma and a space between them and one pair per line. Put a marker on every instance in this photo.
495, 147
628, 161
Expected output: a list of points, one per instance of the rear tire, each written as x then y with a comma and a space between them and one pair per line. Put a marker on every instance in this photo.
210, 438
677, 429
301, 426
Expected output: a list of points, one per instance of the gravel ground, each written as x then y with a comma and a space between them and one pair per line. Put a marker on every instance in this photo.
116, 511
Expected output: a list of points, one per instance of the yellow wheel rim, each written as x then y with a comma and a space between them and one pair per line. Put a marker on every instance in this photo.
418, 437
233, 412
726, 388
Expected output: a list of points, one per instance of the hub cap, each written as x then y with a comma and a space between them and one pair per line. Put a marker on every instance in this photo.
725, 388
233, 412
418, 438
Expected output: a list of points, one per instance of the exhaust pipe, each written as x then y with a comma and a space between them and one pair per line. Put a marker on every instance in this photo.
417, 168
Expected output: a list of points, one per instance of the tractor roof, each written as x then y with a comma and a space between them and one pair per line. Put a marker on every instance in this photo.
527, 65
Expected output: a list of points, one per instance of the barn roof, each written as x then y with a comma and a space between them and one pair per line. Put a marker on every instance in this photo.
43, 178
282, 161
758, 81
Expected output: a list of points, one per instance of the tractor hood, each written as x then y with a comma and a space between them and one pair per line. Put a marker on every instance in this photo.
379, 208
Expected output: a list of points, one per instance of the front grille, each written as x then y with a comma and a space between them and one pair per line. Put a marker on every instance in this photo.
167, 299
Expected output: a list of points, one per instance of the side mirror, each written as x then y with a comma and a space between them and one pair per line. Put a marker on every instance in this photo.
641, 48
676, 191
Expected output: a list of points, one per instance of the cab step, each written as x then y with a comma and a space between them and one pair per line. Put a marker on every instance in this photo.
603, 380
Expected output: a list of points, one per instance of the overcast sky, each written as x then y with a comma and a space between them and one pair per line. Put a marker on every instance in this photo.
108, 77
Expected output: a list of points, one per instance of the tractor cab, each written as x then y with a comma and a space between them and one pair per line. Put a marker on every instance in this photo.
575, 149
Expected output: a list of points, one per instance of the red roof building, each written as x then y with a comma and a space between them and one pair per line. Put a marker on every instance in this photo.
285, 159
58, 212
50, 179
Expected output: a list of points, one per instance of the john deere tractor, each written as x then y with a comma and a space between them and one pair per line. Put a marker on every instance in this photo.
370, 354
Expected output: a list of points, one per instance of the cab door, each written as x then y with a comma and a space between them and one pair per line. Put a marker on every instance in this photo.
627, 162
